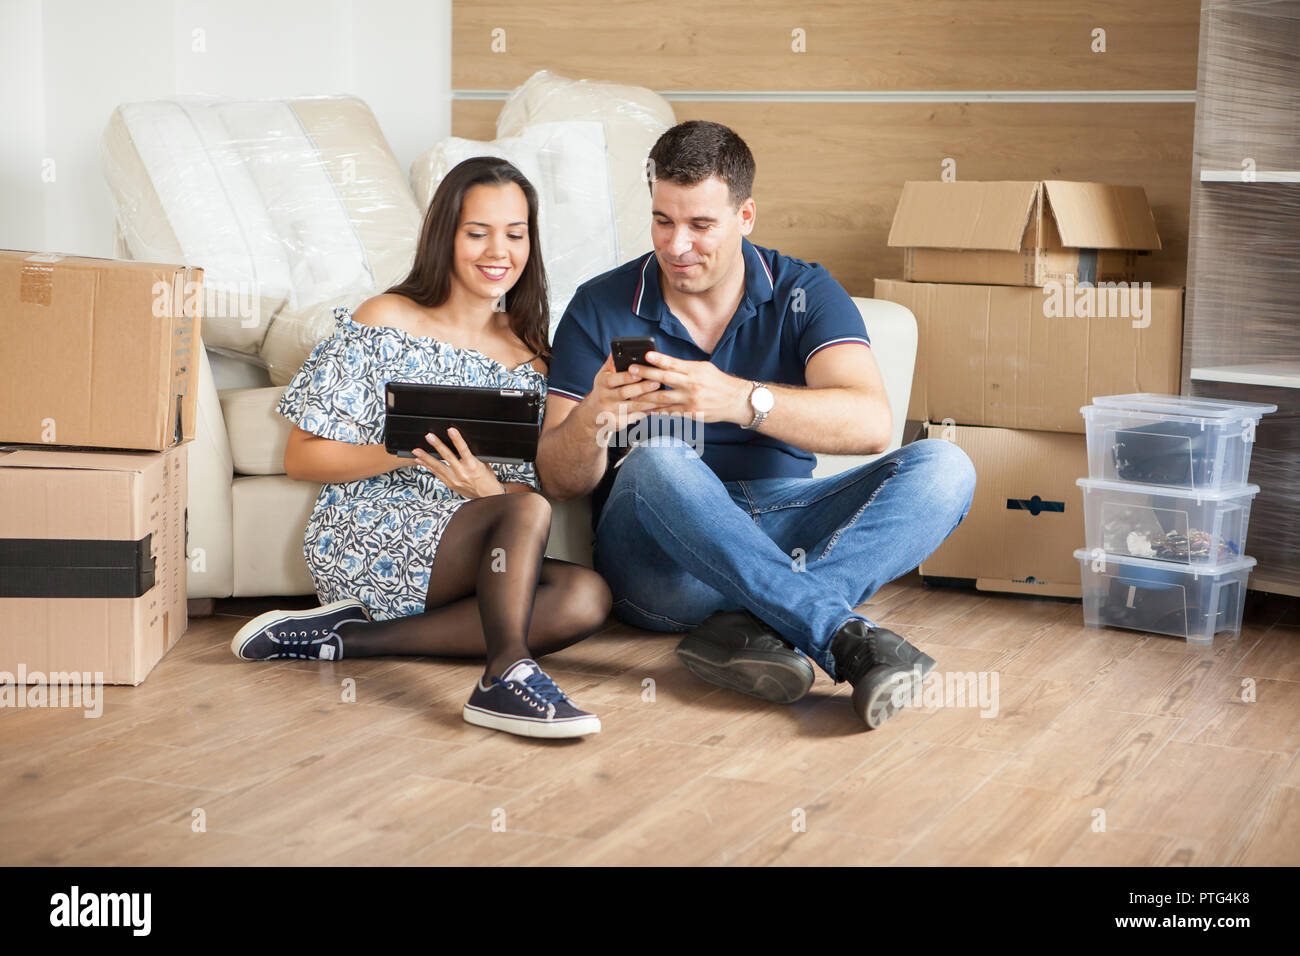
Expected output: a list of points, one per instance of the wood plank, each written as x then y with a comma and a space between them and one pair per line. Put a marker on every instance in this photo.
848, 44
883, 800
1273, 837
1089, 751
1002, 825
1256, 714
1194, 790
785, 847
829, 175
690, 825
1118, 847
1276, 656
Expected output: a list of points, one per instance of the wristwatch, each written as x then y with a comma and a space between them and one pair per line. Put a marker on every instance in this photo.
761, 401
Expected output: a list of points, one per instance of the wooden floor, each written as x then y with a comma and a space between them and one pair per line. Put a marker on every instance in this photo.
1109, 747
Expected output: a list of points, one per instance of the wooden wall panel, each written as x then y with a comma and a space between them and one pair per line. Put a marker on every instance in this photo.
829, 174
850, 44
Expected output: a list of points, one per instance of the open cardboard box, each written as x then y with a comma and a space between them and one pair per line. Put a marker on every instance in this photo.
1022, 233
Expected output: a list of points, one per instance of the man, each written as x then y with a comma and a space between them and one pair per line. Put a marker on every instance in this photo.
738, 544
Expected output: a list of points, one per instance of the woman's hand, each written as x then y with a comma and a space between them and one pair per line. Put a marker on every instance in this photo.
462, 473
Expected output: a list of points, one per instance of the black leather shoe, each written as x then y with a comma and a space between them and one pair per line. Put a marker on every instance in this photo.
886, 671
736, 650
893, 646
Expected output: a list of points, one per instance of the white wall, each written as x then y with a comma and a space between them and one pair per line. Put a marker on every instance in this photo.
65, 65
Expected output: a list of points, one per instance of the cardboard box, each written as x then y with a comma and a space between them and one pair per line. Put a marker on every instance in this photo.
1017, 357
1027, 515
1022, 233
92, 561
98, 353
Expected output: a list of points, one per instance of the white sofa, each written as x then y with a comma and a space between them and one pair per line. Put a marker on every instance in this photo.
246, 517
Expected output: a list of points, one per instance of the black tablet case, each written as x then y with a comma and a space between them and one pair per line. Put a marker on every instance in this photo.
498, 424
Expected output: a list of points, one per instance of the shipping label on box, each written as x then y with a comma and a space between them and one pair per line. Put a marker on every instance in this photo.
1026, 518
99, 353
1022, 233
1030, 358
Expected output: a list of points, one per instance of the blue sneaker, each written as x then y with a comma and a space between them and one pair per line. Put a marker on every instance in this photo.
526, 702
307, 635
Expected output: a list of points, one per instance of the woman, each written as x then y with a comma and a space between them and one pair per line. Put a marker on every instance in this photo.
438, 557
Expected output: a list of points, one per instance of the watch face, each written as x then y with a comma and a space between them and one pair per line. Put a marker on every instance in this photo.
762, 400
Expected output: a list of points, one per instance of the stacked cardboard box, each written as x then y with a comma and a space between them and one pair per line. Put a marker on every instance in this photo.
1029, 301
97, 367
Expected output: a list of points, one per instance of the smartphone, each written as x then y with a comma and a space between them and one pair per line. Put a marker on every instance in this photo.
630, 349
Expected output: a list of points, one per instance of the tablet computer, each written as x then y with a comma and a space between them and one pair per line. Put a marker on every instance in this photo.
498, 424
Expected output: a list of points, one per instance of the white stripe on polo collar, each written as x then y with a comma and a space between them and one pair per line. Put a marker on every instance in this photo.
766, 270
641, 292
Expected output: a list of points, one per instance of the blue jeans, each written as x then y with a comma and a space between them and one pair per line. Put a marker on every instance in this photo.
676, 544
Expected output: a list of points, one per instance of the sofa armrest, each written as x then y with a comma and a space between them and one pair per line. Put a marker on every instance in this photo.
893, 333
209, 545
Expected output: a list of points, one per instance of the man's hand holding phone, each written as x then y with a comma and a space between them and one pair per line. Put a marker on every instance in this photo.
619, 398
698, 389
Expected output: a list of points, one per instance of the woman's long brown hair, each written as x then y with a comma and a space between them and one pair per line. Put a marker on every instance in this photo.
429, 282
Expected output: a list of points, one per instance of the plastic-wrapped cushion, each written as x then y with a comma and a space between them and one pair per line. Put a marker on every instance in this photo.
181, 196
566, 164
633, 117
289, 205
368, 180
304, 213
382, 212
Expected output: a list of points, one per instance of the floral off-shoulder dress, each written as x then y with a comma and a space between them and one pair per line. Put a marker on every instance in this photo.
375, 539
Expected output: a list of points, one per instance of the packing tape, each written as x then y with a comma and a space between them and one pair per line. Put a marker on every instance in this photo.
76, 568
1087, 267
36, 285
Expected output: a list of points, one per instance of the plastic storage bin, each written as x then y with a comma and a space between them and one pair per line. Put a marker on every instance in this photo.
1166, 440
1173, 525
1163, 598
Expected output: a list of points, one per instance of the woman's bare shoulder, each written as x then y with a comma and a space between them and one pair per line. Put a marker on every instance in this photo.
387, 308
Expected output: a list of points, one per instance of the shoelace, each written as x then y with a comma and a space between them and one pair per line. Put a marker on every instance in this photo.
539, 688
864, 655
543, 688
298, 638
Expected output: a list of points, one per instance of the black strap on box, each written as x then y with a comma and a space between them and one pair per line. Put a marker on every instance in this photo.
75, 568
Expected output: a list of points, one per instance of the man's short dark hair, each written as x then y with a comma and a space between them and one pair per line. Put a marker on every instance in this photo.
697, 150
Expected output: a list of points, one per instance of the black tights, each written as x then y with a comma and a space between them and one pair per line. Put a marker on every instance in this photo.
492, 591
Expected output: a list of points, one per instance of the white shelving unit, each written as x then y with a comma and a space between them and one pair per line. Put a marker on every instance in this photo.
1259, 176
1280, 374
1241, 331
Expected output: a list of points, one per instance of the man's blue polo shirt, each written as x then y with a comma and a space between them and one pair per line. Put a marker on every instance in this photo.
790, 311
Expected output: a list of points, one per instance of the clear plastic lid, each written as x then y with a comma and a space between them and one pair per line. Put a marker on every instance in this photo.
1211, 409
1200, 494
1242, 563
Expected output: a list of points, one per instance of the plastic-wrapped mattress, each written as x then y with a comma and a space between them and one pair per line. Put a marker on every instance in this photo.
291, 207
